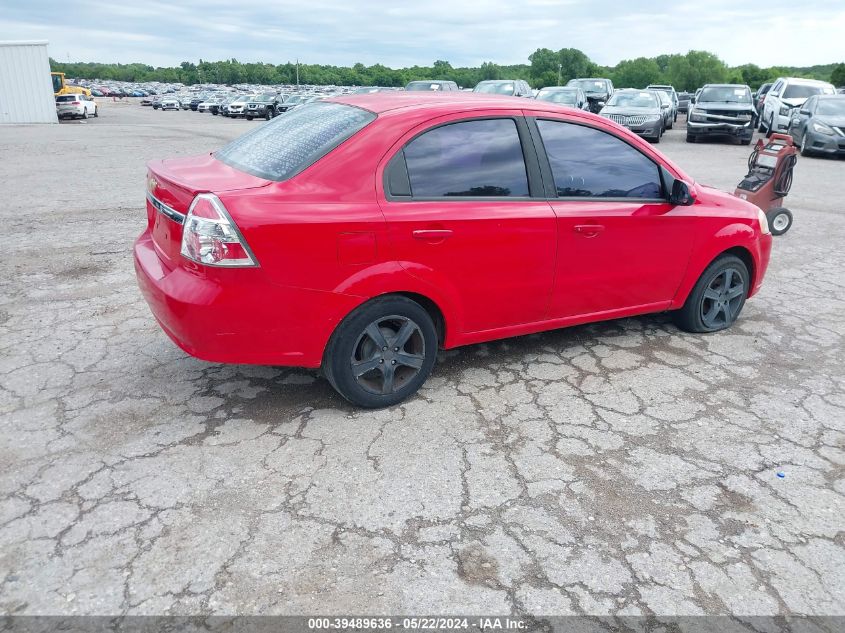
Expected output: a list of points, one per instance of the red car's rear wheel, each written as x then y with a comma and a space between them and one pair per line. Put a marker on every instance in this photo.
382, 353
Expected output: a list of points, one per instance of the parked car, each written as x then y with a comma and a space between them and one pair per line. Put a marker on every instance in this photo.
146, 101
818, 126
195, 102
156, 102
597, 89
435, 85
505, 87
236, 108
262, 106
673, 96
638, 110
684, 102
788, 93
75, 106
361, 234
290, 102
722, 110
170, 103
760, 96
564, 95
666, 108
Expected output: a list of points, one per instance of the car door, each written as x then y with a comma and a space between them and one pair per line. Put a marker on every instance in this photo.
621, 244
468, 218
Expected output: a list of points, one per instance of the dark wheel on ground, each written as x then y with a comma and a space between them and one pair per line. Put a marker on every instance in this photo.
269, 114
805, 149
762, 126
671, 124
84, 113
717, 297
780, 220
249, 118
690, 138
96, 112
382, 352
771, 126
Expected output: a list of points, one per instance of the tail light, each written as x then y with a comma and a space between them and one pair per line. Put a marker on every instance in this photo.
76, 103
210, 237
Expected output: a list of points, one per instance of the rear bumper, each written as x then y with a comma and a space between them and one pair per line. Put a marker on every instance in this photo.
238, 316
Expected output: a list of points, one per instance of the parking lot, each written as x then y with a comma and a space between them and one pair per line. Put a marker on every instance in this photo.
620, 468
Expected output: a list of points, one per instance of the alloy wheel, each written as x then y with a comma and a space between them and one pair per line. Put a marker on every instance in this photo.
722, 300
388, 354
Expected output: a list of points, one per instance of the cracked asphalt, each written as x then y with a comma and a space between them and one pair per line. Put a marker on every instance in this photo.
623, 468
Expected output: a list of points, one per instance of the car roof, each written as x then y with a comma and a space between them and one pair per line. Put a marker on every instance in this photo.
379, 102
801, 80
837, 97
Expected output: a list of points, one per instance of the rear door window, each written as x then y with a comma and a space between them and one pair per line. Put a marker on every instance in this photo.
590, 163
476, 158
282, 148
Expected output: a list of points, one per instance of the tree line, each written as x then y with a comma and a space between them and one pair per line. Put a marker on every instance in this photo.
545, 68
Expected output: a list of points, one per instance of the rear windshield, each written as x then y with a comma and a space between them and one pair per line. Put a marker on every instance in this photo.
282, 148
803, 91
67, 98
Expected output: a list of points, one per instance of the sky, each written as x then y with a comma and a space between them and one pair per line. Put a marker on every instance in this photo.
398, 34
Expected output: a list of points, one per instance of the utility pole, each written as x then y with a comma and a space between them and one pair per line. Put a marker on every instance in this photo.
297, 74
559, 68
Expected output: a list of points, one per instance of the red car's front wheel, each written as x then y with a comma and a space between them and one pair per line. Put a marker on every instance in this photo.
381, 353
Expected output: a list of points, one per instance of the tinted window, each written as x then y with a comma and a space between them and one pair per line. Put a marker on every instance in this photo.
471, 158
285, 146
802, 91
726, 94
590, 163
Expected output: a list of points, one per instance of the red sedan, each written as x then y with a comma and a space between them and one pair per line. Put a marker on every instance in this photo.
363, 233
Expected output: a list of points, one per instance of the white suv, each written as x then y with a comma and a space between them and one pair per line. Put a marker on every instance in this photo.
75, 105
785, 94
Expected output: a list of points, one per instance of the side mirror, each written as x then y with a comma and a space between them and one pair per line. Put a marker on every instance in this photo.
692, 99
804, 111
681, 195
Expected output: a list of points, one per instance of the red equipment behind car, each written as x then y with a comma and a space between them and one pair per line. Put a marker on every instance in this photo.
769, 179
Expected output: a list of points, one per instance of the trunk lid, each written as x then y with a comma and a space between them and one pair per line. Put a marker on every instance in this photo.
172, 186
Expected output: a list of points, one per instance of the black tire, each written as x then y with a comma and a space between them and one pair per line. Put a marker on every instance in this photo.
805, 150
96, 112
690, 138
84, 113
671, 124
355, 346
249, 118
771, 127
762, 126
780, 220
709, 309
269, 114
746, 140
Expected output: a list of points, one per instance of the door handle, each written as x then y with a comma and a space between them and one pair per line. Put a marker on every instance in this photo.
432, 235
588, 230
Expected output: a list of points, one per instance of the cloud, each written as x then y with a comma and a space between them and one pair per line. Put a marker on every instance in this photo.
401, 34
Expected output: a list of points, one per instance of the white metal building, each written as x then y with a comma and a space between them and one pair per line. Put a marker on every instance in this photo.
26, 90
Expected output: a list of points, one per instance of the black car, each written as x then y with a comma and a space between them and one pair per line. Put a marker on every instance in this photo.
597, 89
760, 96
262, 106
722, 110
818, 126
196, 101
